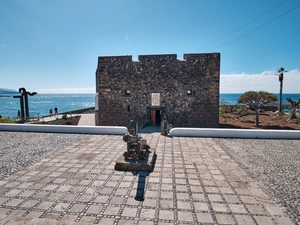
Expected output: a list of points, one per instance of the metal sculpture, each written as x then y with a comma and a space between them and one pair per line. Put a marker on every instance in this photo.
24, 99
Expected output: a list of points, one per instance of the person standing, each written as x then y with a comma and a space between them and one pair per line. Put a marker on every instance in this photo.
56, 111
50, 112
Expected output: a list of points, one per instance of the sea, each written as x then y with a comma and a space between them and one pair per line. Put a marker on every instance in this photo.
40, 104
231, 99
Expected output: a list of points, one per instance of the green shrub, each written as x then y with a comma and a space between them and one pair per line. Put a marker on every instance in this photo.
64, 117
222, 109
222, 106
6, 120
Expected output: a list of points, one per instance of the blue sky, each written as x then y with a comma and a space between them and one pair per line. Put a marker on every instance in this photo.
53, 46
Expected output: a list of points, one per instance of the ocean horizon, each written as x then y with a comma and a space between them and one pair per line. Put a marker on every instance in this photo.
40, 104
232, 98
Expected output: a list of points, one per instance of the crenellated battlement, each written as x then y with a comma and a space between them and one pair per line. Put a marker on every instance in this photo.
158, 58
164, 57
109, 59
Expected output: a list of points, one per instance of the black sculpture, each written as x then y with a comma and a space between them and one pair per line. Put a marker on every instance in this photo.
24, 98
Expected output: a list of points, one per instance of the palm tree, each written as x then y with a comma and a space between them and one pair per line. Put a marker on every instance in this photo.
280, 76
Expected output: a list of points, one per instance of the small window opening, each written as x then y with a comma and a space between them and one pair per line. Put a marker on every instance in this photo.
128, 108
127, 93
189, 92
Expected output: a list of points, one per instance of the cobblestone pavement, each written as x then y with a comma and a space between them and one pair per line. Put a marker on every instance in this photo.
275, 164
20, 149
194, 182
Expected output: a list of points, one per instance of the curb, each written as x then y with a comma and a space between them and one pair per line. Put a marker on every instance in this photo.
235, 133
64, 129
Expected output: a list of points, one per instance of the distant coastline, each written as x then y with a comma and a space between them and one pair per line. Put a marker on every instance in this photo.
4, 92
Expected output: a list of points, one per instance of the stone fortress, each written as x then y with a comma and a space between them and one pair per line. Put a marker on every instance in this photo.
185, 92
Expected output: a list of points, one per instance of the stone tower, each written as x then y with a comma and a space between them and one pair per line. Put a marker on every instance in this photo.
184, 92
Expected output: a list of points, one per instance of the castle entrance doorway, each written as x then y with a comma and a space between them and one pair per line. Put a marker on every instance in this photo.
155, 117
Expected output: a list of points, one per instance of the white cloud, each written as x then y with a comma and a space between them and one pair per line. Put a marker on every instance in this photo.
67, 91
230, 83
265, 81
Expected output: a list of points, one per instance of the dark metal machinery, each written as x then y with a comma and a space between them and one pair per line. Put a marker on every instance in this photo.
137, 147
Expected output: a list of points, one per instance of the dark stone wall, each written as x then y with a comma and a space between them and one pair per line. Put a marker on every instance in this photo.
124, 88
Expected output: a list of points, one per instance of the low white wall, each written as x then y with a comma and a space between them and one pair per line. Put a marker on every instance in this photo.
235, 133
64, 129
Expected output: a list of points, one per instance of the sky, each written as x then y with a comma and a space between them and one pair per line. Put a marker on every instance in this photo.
53, 46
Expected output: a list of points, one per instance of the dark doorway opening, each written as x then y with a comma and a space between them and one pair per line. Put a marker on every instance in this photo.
155, 117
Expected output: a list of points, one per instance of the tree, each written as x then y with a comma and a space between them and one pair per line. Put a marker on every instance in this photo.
294, 105
255, 100
280, 77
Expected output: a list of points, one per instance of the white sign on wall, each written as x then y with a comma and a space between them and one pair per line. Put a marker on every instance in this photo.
155, 99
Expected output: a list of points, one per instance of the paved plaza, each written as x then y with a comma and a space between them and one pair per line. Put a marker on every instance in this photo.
193, 181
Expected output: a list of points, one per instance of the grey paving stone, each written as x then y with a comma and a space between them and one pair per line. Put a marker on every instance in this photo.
194, 181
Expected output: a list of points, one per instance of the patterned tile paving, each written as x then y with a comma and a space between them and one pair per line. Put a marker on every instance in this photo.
193, 182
